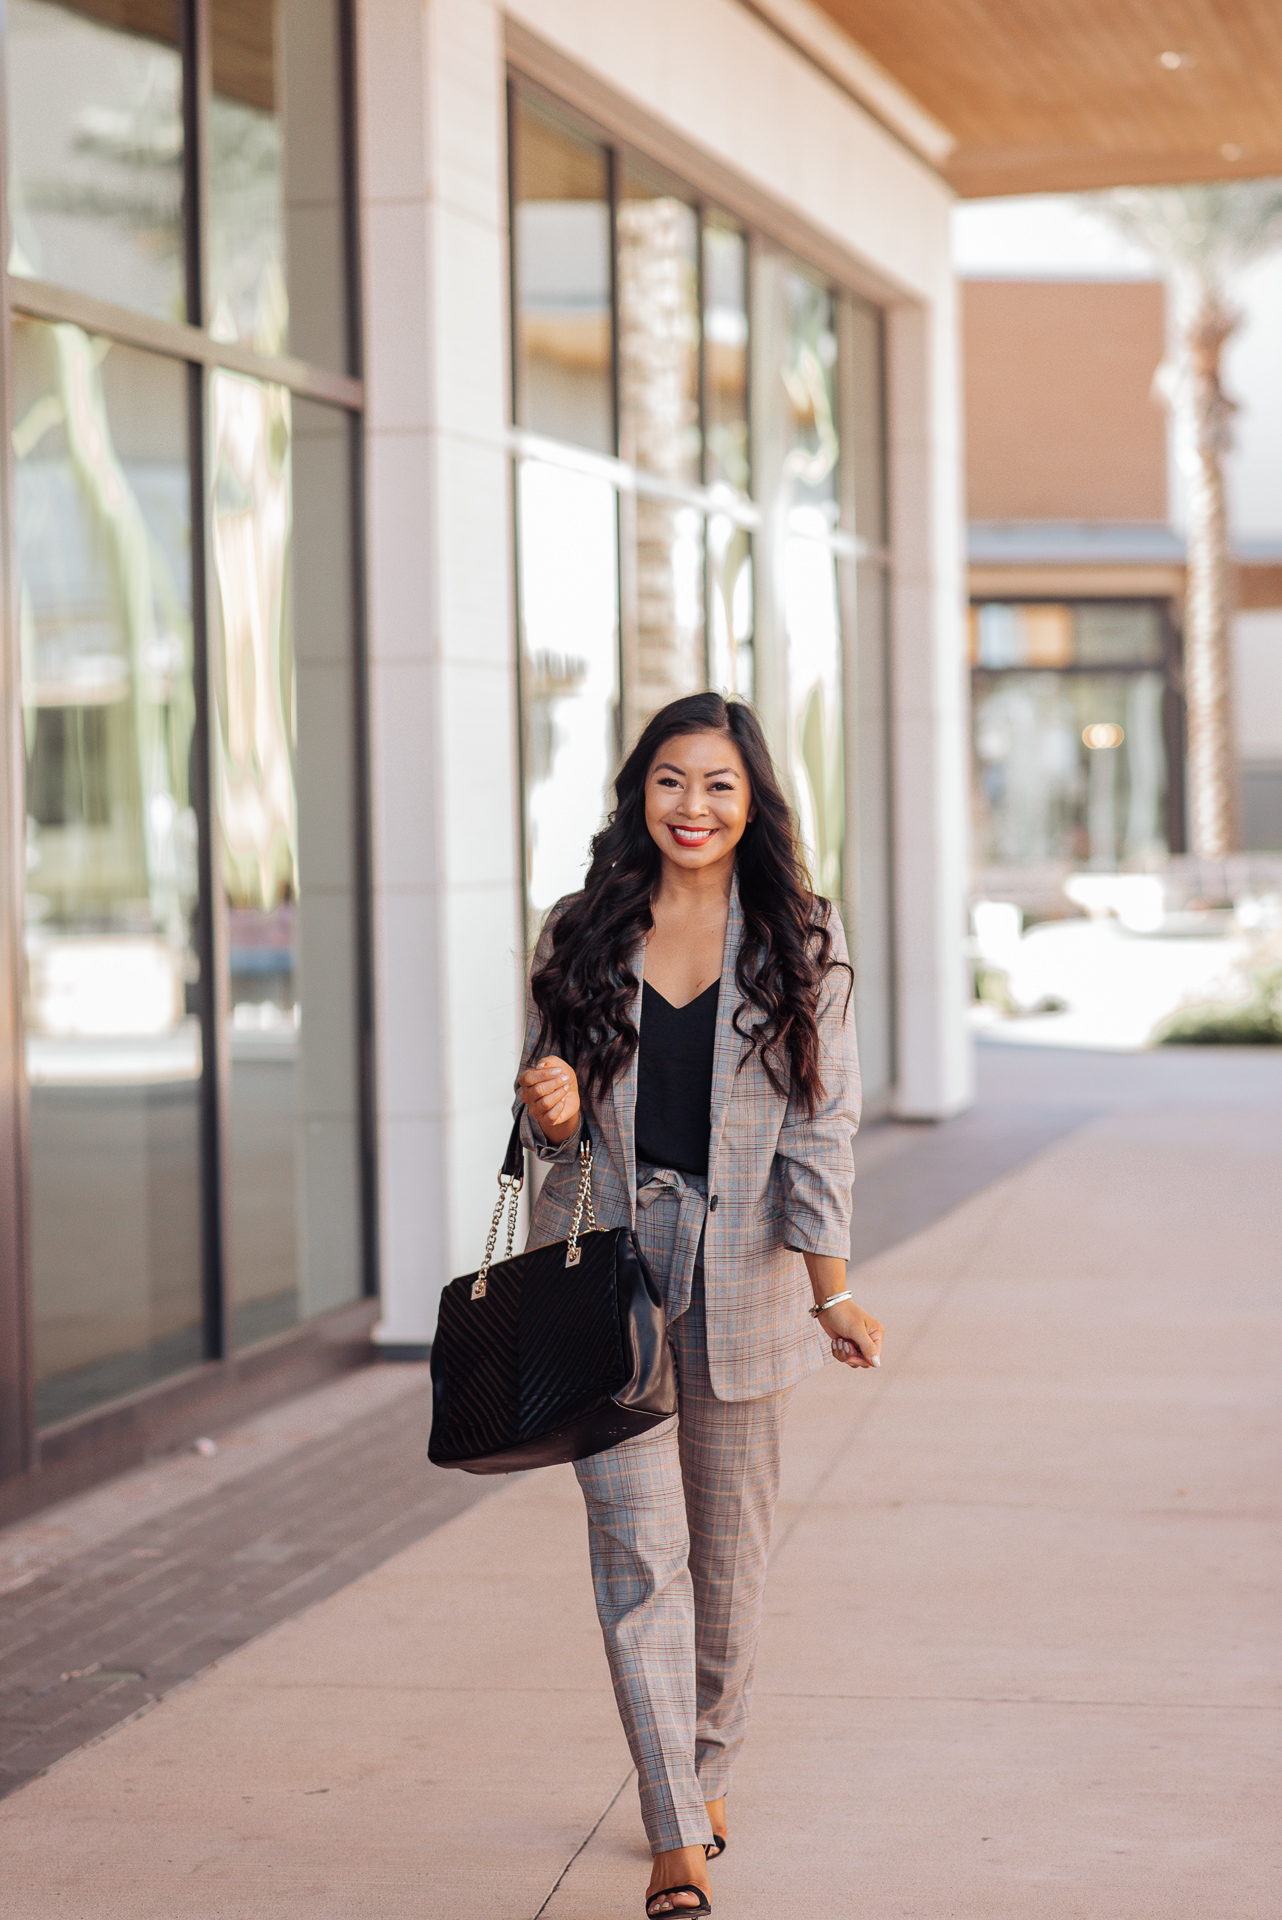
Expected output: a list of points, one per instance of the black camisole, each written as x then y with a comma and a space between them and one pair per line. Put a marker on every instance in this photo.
674, 1080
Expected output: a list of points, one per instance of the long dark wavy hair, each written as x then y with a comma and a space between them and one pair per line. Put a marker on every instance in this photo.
585, 988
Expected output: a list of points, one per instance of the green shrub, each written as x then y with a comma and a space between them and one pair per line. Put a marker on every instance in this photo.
1253, 1022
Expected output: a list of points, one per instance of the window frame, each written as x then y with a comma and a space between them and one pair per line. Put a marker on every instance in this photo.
1170, 666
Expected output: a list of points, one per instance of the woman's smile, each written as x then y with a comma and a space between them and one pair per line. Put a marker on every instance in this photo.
690, 836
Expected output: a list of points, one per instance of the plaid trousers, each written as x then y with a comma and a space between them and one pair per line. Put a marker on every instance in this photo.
679, 1533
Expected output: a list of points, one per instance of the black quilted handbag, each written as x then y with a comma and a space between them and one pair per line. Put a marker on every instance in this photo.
552, 1354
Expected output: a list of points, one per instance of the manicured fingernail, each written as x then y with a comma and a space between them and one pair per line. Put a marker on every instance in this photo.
876, 1359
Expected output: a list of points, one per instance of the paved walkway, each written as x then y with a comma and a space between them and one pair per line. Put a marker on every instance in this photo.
1021, 1648
109, 1601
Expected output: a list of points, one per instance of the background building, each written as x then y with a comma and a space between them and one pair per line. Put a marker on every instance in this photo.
1076, 550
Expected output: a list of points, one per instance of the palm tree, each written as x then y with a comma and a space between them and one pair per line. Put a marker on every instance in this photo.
1203, 236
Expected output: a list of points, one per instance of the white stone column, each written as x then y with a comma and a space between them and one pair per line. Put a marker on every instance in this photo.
442, 678
930, 721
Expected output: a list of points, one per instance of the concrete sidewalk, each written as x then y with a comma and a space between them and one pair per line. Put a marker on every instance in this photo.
1020, 1655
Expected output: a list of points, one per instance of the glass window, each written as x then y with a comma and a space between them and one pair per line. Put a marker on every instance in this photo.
1107, 634
808, 375
284, 792
276, 234
1044, 790
1045, 634
562, 281
662, 584
1030, 636
726, 455
721, 550
816, 751
659, 432
121, 772
569, 672
806, 388
95, 150
725, 357
658, 329
730, 657
112, 1039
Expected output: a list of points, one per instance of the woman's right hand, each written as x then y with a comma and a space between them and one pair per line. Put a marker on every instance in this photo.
550, 1091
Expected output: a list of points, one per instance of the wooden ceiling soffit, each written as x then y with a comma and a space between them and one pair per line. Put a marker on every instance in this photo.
1044, 96
241, 40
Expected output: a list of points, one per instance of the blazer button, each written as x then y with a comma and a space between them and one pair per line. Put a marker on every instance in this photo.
712, 1204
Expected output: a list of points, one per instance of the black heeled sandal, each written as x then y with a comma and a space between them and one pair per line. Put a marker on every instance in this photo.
676, 1913
715, 1847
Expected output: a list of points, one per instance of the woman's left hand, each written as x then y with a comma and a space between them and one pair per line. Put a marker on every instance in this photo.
856, 1337
550, 1090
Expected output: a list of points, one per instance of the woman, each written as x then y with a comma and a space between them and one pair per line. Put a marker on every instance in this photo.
694, 1002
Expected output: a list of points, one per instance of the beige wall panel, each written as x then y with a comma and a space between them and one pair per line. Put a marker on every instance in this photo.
1061, 420
1259, 586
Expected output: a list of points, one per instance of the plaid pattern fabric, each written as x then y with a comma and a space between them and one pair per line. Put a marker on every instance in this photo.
782, 1181
672, 1212
679, 1532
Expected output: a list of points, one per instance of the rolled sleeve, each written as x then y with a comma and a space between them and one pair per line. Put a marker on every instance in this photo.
816, 1150
532, 1134
533, 1137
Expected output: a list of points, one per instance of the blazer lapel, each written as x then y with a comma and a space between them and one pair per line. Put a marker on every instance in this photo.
729, 1047
623, 1095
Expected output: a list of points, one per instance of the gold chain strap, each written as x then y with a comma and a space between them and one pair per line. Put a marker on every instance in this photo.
509, 1194
584, 1200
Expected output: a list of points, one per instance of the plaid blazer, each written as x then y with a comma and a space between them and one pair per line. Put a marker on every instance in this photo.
779, 1180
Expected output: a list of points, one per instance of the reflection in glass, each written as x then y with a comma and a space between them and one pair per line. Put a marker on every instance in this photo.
816, 751
809, 499
562, 281
658, 281
276, 243
1093, 633
282, 672
730, 661
725, 355
1041, 794
1116, 634
726, 463
809, 379
1010, 636
663, 605
95, 150
658, 331
112, 1042
569, 673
